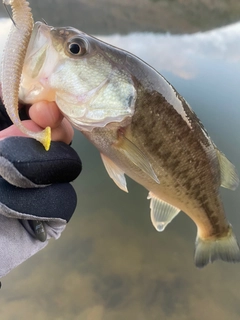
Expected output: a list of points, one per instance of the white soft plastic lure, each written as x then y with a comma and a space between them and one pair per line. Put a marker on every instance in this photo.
12, 64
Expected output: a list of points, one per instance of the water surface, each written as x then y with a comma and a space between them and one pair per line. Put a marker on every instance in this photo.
110, 263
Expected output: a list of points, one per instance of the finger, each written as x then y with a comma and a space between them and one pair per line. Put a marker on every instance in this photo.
64, 132
29, 165
46, 114
54, 201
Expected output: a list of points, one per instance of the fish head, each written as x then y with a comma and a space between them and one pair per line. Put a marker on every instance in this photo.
86, 77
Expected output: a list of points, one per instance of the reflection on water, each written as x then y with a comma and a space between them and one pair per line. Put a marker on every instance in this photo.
110, 263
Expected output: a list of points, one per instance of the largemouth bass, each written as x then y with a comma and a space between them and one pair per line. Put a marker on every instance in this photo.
142, 127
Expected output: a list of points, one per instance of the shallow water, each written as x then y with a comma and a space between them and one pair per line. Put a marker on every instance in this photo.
110, 263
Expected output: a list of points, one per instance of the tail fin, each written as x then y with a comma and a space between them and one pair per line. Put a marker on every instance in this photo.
207, 251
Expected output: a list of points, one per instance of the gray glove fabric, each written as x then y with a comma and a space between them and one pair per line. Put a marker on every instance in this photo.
36, 198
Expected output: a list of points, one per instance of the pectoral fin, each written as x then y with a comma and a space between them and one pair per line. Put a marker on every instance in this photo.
136, 156
229, 177
115, 173
162, 213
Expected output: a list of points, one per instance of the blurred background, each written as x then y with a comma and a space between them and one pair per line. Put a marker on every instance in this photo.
115, 16
110, 263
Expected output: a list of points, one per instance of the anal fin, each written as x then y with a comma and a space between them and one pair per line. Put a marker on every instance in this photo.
162, 213
115, 173
229, 177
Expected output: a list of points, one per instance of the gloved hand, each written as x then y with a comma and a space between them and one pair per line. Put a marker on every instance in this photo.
36, 198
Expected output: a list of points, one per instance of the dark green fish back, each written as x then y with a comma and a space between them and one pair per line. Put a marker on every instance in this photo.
179, 149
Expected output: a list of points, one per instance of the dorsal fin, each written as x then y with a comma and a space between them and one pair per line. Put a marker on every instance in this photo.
229, 176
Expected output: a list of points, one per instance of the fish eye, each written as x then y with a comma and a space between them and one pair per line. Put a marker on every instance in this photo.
77, 47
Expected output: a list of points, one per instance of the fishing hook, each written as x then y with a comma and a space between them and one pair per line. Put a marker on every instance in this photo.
10, 16
45, 21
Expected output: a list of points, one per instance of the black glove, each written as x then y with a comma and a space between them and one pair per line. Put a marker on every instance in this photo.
36, 198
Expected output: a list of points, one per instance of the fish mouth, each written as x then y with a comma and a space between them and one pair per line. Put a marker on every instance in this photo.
35, 31
40, 60
40, 38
